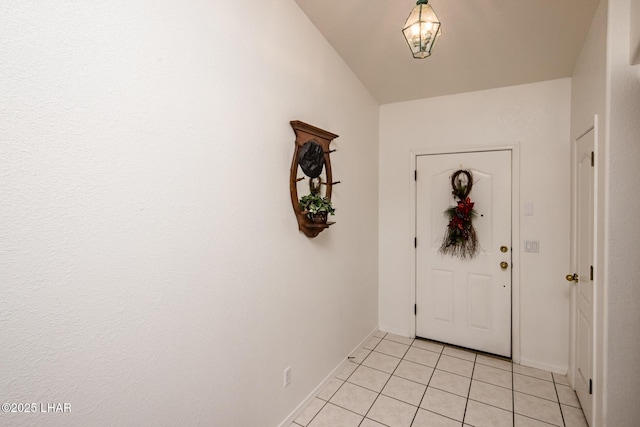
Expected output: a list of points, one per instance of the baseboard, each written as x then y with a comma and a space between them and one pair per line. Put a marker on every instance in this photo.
294, 414
562, 370
396, 332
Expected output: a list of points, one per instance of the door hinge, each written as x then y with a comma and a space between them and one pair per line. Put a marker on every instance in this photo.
415, 242
415, 309
415, 175
590, 386
591, 273
593, 159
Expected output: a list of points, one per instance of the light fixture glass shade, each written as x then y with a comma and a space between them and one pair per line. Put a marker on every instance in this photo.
422, 29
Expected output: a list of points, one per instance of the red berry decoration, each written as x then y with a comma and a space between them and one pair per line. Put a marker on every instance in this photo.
460, 237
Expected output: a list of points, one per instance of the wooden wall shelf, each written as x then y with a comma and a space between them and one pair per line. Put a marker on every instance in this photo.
306, 133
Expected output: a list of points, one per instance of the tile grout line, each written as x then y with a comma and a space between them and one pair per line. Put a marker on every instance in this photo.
466, 404
320, 410
428, 382
559, 403
349, 359
553, 381
425, 388
380, 392
387, 382
392, 374
428, 385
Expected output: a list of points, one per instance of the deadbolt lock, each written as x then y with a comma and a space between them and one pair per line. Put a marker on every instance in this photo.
503, 249
504, 265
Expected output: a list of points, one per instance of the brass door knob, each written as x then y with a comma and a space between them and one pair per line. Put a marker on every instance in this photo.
503, 249
572, 277
504, 265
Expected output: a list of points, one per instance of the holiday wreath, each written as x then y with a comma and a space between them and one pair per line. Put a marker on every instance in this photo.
460, 237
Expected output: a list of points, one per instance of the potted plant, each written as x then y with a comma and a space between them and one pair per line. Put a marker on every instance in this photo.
316, 207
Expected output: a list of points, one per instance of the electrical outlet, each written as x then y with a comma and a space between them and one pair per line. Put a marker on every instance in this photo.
287, 376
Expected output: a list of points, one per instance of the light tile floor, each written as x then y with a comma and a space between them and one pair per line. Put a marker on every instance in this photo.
400, 382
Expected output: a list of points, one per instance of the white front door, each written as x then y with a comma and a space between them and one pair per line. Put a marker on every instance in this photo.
465, 302
583, 259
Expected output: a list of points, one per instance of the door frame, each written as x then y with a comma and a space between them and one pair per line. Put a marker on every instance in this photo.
515, 229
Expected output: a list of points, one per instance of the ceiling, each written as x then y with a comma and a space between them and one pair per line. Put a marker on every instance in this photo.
484, 44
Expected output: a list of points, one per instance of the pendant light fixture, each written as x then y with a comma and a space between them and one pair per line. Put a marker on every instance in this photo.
422, 29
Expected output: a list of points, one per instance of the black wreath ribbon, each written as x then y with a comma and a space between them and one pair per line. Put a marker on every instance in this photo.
460, 238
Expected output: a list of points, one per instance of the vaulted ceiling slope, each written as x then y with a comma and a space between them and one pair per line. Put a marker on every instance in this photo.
484, 44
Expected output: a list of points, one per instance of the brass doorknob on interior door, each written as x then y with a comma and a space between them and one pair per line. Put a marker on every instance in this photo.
572, 277
504, 265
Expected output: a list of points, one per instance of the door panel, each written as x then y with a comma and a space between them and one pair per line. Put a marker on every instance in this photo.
583, 256
479, 304
443, 297
465, 302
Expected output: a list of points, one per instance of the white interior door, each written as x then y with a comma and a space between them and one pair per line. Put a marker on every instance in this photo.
465, 302
583, 258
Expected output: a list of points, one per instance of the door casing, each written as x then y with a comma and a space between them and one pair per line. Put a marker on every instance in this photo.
596, 319
515, 215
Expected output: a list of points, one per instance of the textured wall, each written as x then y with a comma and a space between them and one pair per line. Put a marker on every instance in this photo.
151, 269
623, 246
537, 117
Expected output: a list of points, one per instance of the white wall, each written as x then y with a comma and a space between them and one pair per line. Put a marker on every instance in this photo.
537, 117
622, 304
588, 87
152, 271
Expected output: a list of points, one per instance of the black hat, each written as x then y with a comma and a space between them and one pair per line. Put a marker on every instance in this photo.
311, 158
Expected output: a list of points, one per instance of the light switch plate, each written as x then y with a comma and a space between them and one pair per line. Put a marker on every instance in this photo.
531, 246
528, 209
